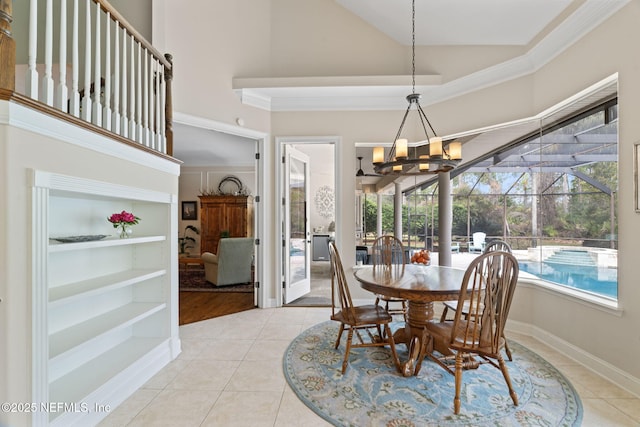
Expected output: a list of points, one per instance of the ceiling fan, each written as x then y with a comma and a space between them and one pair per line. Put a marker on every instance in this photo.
360, 172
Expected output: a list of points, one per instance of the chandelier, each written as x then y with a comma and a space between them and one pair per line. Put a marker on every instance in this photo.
436, 156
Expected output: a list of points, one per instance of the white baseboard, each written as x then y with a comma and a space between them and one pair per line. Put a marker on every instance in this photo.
270, 303
606, 370
119, 388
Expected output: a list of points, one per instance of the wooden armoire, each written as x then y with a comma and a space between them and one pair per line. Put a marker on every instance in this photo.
233, 214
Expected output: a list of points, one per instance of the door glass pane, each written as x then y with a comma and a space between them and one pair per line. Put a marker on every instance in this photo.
297, 197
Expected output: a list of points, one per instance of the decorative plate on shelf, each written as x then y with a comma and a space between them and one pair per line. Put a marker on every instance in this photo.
77, 239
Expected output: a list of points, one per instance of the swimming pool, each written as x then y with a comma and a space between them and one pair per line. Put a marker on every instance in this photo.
602, 281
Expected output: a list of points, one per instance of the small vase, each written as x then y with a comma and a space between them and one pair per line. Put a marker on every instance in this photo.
125, 231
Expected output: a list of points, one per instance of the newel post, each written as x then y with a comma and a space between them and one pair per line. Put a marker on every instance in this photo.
168, 105
7, 47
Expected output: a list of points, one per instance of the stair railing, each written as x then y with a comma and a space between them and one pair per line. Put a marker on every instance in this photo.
103, 72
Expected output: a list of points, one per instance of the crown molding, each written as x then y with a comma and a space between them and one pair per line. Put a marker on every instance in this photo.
346, 93
254, 99
209, 124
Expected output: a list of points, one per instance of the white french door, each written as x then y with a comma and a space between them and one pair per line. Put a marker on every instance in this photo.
297, 236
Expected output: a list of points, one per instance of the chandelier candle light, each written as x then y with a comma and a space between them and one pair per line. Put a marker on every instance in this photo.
431, 158
124, 220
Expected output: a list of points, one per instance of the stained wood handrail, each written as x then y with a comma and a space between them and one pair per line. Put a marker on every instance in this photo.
106, 7
132, 98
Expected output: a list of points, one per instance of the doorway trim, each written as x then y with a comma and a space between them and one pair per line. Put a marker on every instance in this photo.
337, 176
262, 292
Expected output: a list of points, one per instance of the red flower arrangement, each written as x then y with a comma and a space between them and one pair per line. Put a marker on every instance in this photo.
123, 220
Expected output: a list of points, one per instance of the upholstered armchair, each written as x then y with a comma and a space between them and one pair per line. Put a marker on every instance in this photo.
232, 264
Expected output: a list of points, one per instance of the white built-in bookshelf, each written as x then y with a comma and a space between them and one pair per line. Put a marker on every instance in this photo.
104, 311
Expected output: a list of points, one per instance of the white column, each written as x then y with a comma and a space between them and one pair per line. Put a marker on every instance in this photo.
397, 212
379, 215
534, 208
445, 218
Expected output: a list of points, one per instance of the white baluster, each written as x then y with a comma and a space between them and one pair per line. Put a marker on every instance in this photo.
97, 70
86, 97
75, 64
156, 105
163, 101
139, 96
62, 91
145, 99
152, 110
106, 112
47, 80
115, 125
32, 73
156, 101
132, 92
125, 72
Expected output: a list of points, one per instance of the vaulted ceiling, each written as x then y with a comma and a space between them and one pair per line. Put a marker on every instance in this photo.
542, 28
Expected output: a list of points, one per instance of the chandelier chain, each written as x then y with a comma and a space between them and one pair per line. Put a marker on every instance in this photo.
413, 46
438, 158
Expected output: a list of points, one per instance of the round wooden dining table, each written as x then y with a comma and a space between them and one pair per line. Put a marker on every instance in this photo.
421, 286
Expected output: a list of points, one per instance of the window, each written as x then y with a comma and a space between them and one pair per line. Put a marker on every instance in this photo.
552, 194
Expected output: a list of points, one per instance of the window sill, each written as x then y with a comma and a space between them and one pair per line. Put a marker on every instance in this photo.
601, 303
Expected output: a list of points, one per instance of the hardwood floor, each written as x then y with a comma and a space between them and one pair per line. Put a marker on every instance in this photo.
196, 306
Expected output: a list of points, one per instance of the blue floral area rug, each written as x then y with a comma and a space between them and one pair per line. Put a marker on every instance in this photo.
373, 393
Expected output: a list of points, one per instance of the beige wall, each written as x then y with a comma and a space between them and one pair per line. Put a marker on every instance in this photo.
615, 339
283, 38
21, 152
234, 41
137, 14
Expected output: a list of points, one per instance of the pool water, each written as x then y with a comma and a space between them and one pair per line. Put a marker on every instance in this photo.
602, 281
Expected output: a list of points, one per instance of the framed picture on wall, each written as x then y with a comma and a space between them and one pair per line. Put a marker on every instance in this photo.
189, 211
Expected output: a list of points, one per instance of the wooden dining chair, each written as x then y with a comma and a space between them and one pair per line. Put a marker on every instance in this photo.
494, 245
487, 290
357, 319
497, 245
388, 252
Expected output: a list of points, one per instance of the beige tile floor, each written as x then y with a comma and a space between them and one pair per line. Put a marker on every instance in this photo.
230, 374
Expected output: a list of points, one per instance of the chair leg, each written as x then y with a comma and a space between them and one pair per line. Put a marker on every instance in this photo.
404, 310
507, 378
444, 314
458, 380
392, 344
347, 350
339, 335
506, 348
